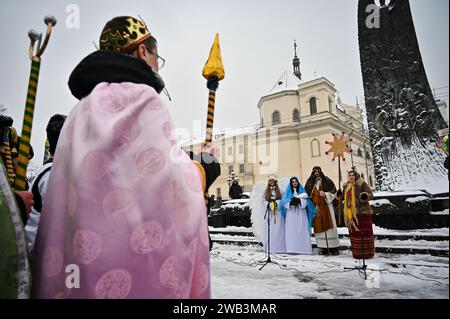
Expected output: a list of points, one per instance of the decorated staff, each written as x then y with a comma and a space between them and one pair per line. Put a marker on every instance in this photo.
443, 144
24, 148
338, 147
213, 72
10, 144
47, 151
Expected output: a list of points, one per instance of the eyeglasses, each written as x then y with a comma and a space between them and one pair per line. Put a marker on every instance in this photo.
161, 62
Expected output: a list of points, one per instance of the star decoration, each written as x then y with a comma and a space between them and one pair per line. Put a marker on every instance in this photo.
339, 146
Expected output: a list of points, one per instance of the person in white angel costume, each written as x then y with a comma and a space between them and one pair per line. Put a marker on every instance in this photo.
268, 223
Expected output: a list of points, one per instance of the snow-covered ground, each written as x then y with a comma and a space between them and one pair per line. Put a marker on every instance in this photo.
236, 274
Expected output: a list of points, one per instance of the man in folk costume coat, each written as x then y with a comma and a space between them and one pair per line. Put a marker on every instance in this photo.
124, 203
322, 192
358, 216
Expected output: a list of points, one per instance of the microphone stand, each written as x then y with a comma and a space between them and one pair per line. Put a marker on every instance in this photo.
364, 266
269, 260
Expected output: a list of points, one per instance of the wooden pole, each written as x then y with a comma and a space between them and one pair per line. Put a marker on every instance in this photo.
340, 197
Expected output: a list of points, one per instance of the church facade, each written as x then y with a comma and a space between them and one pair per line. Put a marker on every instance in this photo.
296, 120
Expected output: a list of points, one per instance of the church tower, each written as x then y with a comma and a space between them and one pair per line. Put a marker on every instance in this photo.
296, 63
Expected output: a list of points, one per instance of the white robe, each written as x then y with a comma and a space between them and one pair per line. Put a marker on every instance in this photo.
332, 236
298, 236
32, 224
277, 231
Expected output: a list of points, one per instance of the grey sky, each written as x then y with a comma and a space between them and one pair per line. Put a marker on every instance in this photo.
256, 40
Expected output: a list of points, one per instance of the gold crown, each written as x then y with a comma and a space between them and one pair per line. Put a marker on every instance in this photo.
124, 37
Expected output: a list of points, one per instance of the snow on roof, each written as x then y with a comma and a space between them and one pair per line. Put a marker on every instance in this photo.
237, 132
224, 134
340, 108
287, 82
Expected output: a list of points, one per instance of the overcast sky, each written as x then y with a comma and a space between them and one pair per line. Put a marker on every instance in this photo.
256, 41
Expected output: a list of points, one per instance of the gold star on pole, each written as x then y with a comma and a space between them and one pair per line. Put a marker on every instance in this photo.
339, 146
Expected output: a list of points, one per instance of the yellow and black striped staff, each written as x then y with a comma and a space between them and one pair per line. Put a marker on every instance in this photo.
24, 148
9, 132
213, 72
212, 85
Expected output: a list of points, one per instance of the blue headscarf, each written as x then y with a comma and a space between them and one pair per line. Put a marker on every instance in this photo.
289, 194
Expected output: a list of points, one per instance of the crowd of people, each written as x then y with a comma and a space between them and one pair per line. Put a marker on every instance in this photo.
290, 214
120, 202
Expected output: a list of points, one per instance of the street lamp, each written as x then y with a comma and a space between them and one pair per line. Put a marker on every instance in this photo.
231, 178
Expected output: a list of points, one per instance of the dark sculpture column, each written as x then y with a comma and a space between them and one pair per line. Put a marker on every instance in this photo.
402, 113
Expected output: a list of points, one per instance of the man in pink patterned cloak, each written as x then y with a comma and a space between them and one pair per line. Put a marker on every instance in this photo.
124, 214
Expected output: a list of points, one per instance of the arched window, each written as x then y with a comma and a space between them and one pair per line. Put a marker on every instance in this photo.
315, 148
276, 118
330, 105
296, 115
313, 105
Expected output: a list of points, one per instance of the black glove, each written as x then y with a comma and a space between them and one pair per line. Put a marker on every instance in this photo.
295, 201
210, 165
